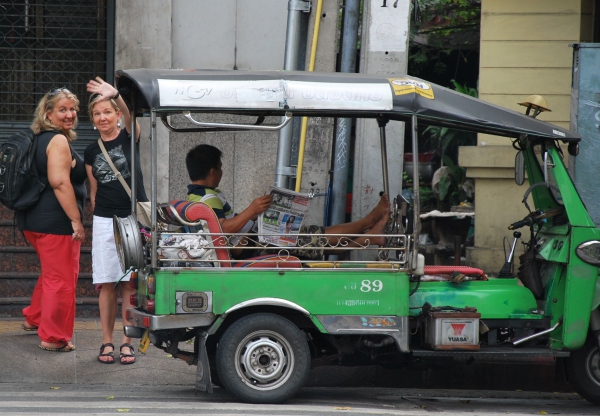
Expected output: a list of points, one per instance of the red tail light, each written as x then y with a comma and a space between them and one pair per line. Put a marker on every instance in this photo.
127, 315
133, 299
150, 306
146, 321
133, 280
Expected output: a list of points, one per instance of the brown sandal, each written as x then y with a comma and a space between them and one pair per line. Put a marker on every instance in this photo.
123, 355
111, 354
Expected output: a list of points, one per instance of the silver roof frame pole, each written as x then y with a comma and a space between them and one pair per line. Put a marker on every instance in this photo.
382, 122
416, 198
292, 42
154, 188
133, 159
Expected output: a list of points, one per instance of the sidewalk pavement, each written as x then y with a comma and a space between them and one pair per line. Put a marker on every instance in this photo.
22, 361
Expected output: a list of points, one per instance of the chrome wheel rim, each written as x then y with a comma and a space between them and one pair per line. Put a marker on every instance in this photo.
264, 360
129, 242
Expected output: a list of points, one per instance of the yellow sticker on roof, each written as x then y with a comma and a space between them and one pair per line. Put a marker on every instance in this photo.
404, 85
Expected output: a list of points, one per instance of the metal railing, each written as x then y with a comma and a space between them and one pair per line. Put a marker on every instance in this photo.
185, 250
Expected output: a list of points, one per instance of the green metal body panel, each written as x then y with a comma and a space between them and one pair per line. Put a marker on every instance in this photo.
572, 291
554, 280
579, 291
555, 246
494, 298
596, 301
321, 292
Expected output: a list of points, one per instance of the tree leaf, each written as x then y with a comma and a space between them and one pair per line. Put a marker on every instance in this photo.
444, 184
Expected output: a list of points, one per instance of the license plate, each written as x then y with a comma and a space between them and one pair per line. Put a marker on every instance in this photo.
144, 342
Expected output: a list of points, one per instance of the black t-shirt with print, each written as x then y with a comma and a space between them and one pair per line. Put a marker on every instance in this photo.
111, 197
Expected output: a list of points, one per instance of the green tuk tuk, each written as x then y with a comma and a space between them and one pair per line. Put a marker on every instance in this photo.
259, 324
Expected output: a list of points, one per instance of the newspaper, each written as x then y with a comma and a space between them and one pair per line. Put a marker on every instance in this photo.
284, 217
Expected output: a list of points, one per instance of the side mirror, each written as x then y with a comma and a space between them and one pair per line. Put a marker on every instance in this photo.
573, 149
520, 168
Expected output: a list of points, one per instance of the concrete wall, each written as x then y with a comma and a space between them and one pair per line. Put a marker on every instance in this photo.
143, 40
247, 35
524, 50
228, 34
320, 131
384, 51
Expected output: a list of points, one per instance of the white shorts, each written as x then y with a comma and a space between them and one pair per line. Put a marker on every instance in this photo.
105, 261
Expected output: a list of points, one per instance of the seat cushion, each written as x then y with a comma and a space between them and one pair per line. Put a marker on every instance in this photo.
194, 211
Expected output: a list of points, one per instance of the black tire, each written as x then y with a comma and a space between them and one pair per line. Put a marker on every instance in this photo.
583, 370
263, 358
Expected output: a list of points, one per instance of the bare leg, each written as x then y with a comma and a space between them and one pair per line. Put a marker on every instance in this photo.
380, 213
367, 238
127, 291
108, 312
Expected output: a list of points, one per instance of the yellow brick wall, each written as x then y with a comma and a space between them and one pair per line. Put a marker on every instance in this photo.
524, 50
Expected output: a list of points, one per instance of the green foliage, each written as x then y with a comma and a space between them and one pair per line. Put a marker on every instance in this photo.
426, 196
463, 89
447, 25
450, 186
447, 141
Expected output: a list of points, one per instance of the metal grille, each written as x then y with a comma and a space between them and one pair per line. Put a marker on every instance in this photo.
49, 44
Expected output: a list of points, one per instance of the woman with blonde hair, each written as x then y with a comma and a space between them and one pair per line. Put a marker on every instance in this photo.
54, 225
109, 198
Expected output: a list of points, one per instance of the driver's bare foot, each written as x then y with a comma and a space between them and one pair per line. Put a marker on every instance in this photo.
378, 228
381, 210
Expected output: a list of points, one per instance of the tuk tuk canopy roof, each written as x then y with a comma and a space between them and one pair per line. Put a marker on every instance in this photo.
171, 91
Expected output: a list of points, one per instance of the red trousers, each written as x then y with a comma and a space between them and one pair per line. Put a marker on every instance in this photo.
52, 307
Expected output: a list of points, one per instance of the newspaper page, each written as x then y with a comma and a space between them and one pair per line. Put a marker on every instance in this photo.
284, 217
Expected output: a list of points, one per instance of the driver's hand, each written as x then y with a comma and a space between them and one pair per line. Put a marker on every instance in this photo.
260, 204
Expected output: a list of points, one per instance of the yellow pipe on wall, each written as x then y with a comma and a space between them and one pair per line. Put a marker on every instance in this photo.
311, 68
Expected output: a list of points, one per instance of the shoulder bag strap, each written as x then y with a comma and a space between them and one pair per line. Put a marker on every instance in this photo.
114, 169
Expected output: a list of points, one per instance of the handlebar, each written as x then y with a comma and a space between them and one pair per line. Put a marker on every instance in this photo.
536, 217
527, 221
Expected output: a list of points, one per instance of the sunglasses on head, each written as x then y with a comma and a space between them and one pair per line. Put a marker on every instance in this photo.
55, 91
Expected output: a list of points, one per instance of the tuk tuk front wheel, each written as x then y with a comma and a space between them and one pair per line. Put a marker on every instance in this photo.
583, 370
263, 358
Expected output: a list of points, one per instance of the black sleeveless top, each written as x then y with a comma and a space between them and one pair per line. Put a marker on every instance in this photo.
47, 216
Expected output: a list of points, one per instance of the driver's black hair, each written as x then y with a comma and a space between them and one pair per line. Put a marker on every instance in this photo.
201, 159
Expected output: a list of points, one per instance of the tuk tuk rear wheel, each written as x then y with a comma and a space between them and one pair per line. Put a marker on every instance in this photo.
263, 358
583, 370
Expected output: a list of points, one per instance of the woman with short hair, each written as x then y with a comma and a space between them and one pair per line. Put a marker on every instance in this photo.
109, 198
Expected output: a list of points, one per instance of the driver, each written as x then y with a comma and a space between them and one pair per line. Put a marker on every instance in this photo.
204, 167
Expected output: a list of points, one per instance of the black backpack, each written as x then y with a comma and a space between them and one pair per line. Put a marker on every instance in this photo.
20, 183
